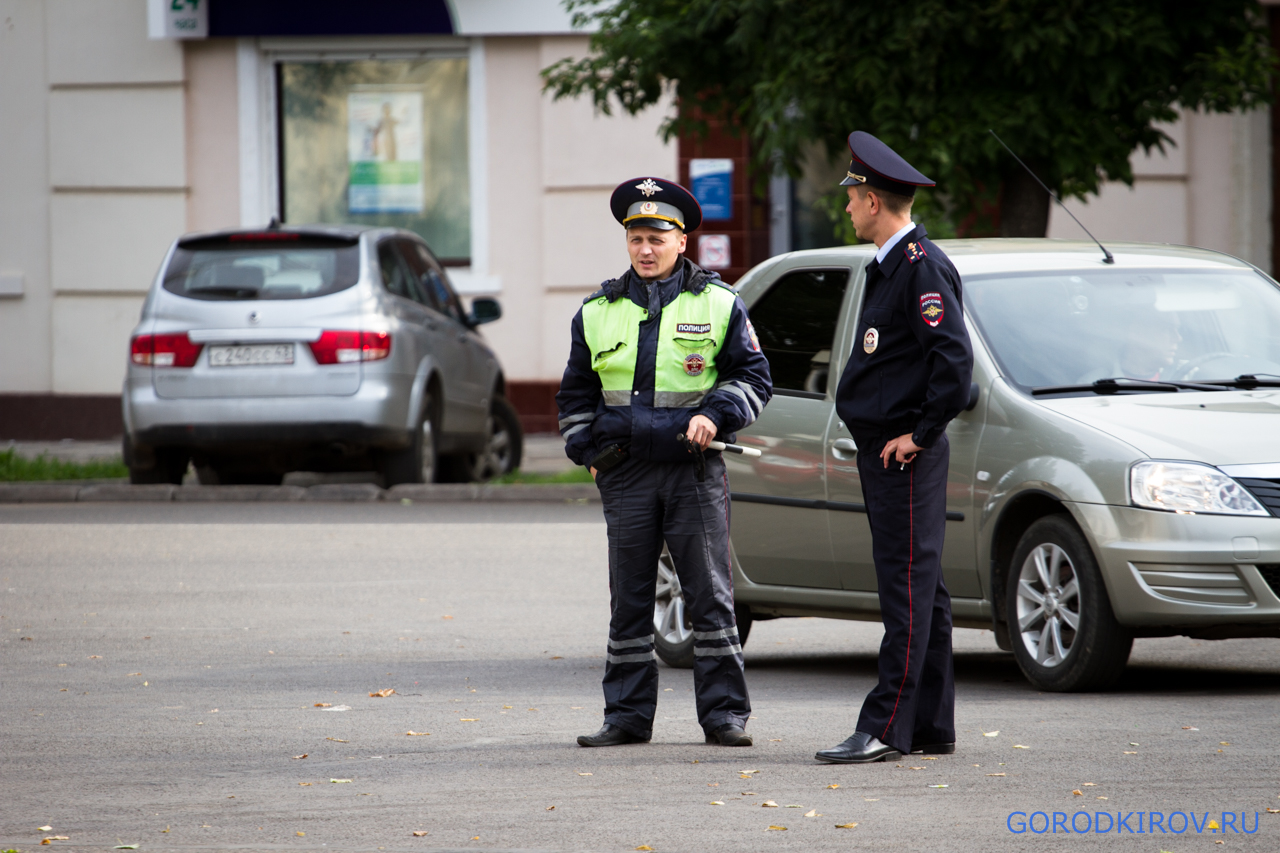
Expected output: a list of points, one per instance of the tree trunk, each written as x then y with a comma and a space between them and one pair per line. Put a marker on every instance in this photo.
1024, 205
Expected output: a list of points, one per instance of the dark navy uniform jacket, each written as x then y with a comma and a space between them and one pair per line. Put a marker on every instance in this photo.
743, 386
916, 377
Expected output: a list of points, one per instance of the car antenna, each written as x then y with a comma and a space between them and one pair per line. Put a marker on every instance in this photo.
1109, 259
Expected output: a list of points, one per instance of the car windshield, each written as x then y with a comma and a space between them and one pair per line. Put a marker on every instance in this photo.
1074, 328
246, 266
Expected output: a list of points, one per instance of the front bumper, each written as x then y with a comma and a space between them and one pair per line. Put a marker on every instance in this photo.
1196, 571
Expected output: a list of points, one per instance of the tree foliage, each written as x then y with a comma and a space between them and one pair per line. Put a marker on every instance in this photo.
1074, 86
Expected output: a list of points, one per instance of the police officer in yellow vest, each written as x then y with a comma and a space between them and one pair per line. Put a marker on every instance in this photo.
663, 351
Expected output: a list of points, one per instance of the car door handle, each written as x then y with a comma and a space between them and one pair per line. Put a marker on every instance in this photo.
844, 446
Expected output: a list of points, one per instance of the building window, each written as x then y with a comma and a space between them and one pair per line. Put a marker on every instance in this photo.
381, 142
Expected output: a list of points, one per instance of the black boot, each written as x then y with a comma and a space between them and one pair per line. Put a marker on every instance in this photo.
610, 736
729, 735
860, 748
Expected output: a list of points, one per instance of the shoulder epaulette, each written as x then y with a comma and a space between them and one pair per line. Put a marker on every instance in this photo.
915, 252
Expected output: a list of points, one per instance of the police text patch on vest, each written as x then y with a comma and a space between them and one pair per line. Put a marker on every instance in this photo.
694, 364
693, 328
931, 308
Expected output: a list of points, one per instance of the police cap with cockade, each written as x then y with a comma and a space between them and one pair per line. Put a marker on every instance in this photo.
877, 165
655, 203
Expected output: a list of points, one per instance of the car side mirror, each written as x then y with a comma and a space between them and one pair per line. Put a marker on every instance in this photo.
484, 310
974, 393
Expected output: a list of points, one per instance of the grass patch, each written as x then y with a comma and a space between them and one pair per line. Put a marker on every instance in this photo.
574, 475
15, 468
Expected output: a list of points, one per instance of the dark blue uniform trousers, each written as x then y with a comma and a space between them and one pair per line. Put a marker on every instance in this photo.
645, 503
914, 701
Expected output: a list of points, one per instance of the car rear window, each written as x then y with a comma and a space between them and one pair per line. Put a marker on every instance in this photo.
269, 265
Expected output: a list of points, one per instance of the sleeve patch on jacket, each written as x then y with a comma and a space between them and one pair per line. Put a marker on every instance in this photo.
931, 308
751, 331
914, 252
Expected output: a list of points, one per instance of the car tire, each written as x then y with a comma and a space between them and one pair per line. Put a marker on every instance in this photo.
1053, 582
672, 628
170, 465
419, 462
503, 442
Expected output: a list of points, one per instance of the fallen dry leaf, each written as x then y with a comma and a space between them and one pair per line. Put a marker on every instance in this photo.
939, 786
717, 803
915, 768
1102, 798
584, 774
644, 847
419, 833
1089, 785
575, 707
1220, 743
846, 825
929, 758
337, 740
300, 834
1273, 811
812, 813
135, 673
749, 794
45, 828
557, 657
775, 740
1130, 752
991, 734
304, 755
412, 733
551, 808
446, 616
778, 828
1077, 792
323, 705
1020, 746
1190, 729
834, 785
713, 784
748, 772
508, 707
793, 806
468, 719
997, 774
95, 657
768, 804
305, 784
382, 694
49, 838
339, 781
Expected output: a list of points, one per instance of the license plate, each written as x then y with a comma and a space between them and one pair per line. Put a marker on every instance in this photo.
250, 355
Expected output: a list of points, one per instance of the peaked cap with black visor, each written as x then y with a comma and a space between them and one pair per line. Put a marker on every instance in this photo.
655, 203
880, 167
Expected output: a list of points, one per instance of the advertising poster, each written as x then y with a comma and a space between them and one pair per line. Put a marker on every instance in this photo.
712, 181
384, 150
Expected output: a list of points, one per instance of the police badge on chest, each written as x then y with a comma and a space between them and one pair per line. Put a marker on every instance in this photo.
694, 364
870, 340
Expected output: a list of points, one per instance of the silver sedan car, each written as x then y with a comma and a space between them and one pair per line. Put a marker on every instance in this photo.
265, 351
1117, 474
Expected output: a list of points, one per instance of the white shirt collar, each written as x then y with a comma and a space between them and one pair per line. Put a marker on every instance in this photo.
893, 241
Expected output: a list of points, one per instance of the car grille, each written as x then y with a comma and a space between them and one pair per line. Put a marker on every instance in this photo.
1271, 574
1266, 491
1202, 584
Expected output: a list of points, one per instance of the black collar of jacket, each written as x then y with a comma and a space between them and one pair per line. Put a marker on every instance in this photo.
898, 254
696, 279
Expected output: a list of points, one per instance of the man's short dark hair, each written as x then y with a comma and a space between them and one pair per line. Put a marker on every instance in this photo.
898, 205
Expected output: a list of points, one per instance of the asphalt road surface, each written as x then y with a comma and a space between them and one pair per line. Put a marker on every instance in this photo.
162, 669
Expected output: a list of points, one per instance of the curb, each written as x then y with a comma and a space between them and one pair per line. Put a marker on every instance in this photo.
28, 493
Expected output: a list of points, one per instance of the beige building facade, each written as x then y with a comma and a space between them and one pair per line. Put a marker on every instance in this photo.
116, 138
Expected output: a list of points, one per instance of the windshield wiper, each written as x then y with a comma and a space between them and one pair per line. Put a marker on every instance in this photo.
1114, 385
227, 290
1248, 381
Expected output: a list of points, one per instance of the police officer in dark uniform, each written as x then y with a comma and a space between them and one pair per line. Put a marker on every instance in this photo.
908, 376
664, 351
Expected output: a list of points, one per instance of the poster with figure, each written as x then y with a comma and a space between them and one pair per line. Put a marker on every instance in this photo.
384, 151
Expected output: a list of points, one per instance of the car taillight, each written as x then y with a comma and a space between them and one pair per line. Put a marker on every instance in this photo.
165, 350
335, 347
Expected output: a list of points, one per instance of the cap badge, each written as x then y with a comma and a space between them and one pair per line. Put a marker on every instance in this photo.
871, 340
694, 363
649, 207
648, 187
931, 308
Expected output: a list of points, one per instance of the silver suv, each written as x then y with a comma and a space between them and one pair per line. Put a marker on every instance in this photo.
1116, 476
261, 352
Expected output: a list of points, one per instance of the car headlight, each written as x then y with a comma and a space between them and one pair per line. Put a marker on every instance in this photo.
1189, 487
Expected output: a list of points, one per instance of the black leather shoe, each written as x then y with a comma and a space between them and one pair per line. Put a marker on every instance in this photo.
860, 748
610, 736
934, 748
729, 735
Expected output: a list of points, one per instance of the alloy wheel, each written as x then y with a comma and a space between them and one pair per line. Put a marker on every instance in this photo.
428, 451
1048, 604
669, 619
495, 459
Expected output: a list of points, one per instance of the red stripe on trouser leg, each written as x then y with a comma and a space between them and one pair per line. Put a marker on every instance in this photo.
911, 612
